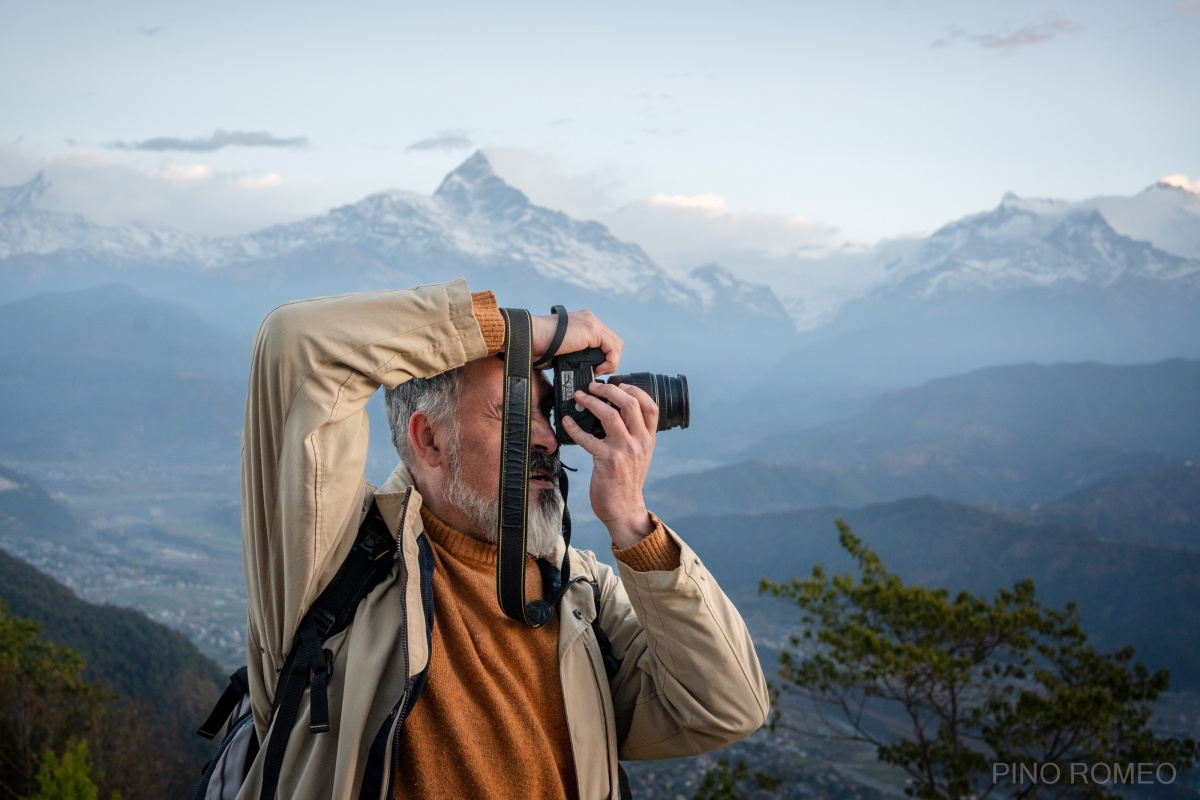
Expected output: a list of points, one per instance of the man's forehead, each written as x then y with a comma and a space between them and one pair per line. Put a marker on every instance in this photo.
487, 376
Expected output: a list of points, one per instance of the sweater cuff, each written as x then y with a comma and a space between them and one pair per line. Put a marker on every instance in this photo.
491, 324
658, 552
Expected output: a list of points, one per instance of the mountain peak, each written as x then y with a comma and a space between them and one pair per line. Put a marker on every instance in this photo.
1032, 205
475, 171
23, 196
474, 188
476, 168
1175, 183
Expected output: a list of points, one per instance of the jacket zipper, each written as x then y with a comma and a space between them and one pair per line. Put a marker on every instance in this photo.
414, 684
592, 647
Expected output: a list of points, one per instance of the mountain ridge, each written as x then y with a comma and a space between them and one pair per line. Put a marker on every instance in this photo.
1010, 435
473, 213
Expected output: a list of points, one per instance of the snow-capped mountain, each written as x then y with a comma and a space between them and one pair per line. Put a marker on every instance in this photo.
1166, 215
473, 221
475, 226
476, 216
28, 229
1035, 243
1031, 280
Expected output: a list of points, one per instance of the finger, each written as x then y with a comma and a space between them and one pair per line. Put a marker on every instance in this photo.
612, 345
626, 403
587, 441
584, 331
609, 417
646, 403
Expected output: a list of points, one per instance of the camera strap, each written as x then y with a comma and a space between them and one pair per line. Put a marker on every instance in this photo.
516, 428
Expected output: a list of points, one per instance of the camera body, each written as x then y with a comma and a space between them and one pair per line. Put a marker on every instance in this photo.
576, 371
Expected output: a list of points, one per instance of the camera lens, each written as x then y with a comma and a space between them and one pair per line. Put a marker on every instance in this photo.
670, 394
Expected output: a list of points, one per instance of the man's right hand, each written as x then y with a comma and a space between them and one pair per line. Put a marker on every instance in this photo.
583, 331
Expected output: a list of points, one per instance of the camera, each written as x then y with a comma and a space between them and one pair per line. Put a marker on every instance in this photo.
576, 371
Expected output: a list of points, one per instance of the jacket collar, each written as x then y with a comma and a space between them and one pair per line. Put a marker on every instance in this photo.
400, 502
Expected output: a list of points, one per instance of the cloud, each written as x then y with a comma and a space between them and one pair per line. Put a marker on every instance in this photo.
547, 182
1012, 40
266, 181
182, 173
677, 230
207, 144
688, 230
1182, 182
445, 141
1188, 8
703, 202
684, 231
150, 30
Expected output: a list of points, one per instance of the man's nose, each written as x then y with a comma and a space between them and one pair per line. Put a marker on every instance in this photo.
542, 436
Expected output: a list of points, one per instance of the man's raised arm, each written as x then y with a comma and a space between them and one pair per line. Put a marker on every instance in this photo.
304, 444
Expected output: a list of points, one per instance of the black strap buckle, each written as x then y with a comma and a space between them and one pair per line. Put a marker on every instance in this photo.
318, 695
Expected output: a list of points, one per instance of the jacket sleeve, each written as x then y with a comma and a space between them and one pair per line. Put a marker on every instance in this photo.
304, 443
690, 681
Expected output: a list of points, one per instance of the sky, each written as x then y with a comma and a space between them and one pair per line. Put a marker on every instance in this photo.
701, 130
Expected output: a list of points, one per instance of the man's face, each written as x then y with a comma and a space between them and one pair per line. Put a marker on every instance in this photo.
474, 458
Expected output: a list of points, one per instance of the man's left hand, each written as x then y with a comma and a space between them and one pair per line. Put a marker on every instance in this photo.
622, 457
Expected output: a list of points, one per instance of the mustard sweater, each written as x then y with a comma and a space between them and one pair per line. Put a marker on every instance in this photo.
491, 720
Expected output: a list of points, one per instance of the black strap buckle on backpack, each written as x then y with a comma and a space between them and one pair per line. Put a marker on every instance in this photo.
309, 662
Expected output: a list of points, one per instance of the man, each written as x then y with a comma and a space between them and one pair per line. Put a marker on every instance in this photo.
433, 692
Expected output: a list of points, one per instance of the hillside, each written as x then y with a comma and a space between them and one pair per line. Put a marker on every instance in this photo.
109, 373
1013, 435
1157, 508
1127, 594
139, 658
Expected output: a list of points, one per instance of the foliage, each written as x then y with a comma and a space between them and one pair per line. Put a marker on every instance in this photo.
725, 782
68, 778
977, 682
135, 656
47, 708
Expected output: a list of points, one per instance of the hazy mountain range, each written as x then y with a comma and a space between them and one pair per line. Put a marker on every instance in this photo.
475, 225
1042, 353
1011, 435
1142, 594
1112, 279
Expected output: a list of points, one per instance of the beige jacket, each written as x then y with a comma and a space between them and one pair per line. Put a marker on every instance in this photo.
690, 680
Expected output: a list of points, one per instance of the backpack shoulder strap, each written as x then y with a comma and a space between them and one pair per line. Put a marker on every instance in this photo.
365, 566
309, 662
239, 687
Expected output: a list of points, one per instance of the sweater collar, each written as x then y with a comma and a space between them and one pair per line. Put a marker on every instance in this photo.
459, 545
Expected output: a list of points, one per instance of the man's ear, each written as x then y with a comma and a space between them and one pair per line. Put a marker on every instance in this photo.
424, 442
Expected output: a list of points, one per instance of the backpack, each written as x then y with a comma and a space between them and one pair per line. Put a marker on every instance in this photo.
226, 772
308, 663
364, 568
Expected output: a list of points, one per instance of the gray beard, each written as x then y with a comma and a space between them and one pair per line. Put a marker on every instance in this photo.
543, 520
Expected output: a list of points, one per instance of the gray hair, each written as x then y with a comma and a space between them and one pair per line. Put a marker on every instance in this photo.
437, 397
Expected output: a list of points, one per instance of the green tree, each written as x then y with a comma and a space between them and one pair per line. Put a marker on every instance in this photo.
42, 699
47, 707
68, 778
987, 690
